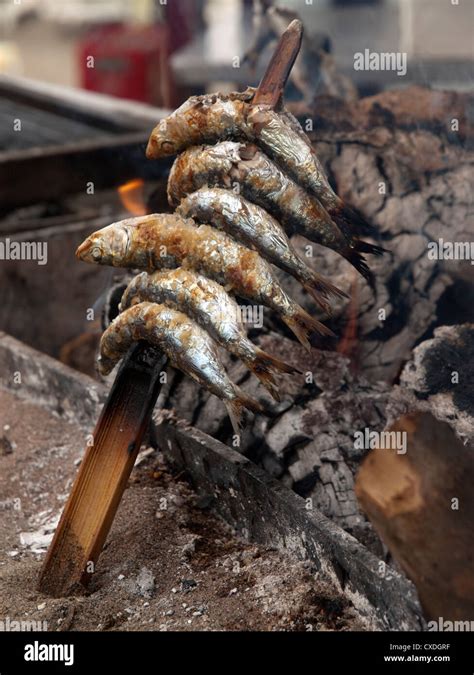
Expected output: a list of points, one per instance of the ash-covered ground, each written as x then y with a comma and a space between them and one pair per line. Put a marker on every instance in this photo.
168, 563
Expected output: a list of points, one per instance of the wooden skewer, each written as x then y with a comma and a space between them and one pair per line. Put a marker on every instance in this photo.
103, 474
107, 464
272, 84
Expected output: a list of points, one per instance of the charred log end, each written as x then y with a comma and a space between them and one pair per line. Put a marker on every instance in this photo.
422, 506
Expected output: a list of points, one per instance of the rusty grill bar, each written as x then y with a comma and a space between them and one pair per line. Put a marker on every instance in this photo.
68, 142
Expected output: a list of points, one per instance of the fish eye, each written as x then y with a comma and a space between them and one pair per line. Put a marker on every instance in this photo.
96, 253
167, 146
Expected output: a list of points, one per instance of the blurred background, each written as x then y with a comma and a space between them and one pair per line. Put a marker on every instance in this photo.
82, 83
157, 51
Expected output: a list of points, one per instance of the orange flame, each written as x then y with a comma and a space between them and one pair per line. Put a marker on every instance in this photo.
348, 344
132, 196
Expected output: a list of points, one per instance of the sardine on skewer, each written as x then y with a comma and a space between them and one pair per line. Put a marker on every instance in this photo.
167, 241
254, 227
283, 139
188, 347
200, 119
207, 303
245, 168
211, 118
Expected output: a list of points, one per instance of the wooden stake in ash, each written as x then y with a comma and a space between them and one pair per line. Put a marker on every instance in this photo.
107, 464
103, 474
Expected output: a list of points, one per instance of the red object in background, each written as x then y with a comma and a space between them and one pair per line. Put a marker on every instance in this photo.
128, 62
185, 20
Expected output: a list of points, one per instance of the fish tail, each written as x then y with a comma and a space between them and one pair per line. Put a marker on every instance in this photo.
355, 257
357, 220
269, 362
317, 297
320, 289
235, 406
350, 221
373, 249
358, 261
305, 327
352, 224
264, 366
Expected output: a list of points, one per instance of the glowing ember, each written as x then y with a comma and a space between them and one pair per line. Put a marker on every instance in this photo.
132, 196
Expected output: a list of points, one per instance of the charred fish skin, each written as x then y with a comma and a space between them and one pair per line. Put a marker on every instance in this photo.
207, 251
214, 117
200, 119
211, 118
212, 167
347, 218
204, 298
288, 148
185, 344
251, 172
246, 169
254, 227
188, 347
207, 303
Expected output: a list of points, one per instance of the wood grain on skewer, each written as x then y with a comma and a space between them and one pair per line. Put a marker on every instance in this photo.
103, 474
272, 84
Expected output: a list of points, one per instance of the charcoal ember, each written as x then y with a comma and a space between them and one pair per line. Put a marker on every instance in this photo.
320, 370
394, 157
323, 469
185, 398
212, 417
440, 378
337, 483
310, 446
307, 439
287, 431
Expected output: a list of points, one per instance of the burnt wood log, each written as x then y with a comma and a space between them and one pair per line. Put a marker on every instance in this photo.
422, 505
307, 440
404, 159
441, 378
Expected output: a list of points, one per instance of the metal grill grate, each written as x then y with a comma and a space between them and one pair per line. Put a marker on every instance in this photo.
41, 128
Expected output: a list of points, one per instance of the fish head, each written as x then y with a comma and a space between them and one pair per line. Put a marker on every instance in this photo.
105, 365
172, 134
161, 142
108, 246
